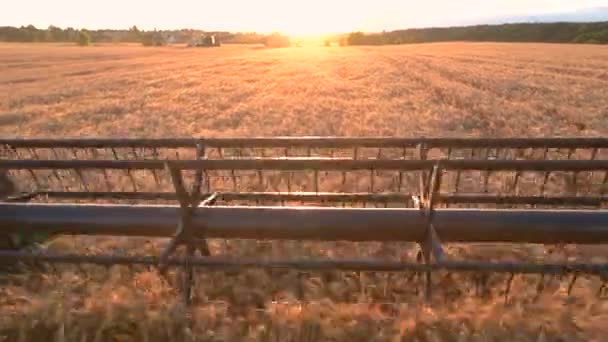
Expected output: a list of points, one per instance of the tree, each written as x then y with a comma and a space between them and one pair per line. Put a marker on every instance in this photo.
154, 38
84, 39
134, 34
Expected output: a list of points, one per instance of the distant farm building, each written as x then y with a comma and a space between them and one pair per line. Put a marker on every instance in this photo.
205, 41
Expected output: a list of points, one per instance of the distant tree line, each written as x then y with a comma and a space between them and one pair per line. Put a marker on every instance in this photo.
592, 33
31, 34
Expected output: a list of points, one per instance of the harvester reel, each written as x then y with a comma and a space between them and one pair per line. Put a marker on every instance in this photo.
428, 191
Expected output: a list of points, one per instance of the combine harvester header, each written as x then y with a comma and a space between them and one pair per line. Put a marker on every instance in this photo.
432, 191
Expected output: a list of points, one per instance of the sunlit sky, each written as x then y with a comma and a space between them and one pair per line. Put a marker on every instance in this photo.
292, 17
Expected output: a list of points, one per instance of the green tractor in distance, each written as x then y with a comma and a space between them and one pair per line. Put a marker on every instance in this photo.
205, 41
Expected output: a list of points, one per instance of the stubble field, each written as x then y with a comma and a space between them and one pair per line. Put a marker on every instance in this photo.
458, 89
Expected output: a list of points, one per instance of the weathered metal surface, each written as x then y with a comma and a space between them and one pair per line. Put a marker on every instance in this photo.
315, 142
318, 265
298, 164
292, 223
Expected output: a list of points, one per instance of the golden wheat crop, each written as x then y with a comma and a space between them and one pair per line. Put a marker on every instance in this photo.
456, 89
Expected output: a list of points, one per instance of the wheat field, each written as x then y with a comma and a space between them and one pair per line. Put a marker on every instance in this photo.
455, 89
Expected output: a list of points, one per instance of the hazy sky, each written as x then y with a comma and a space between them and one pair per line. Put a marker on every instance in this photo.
293, 17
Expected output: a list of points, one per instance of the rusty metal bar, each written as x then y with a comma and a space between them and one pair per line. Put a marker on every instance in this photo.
237, 196
283, 223
296, 164
337, 197
316, 142
531, 200
318, 265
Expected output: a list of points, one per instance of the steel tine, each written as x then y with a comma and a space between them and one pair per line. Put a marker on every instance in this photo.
594, 153
188, 274
545, 180
379, 156
178, 184
55, 172
571, 284
515, 188
457, 180
601, 291
516, 182
233, 177
508, 288
545, 153
260, 172
155, 157
198, 177
575, 183
371, 175
169, 250
134, 152
95, 156
404, 157
31, 172
486, 182
301, 287
35, 179
571, 152
289, 173
34, 155
484, 284
79, 173
128, 171
132, 180
540, 286
486, 176
423, 177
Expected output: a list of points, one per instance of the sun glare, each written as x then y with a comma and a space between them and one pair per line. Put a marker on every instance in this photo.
311, 18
